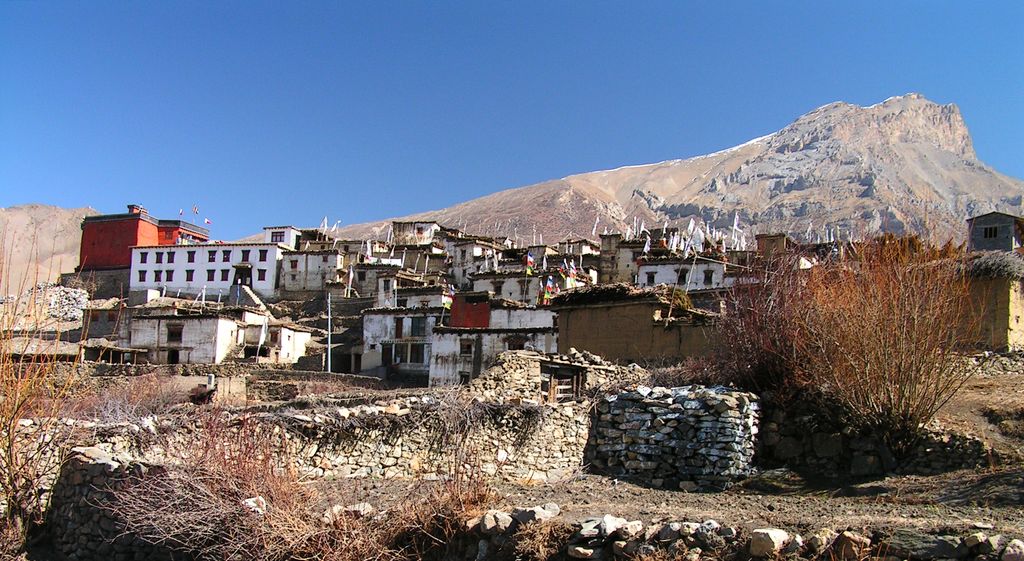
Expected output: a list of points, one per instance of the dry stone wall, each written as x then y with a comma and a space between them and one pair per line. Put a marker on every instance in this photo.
691, 437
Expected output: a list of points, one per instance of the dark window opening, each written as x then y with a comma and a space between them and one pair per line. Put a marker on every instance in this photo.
418, 327
990, 232
226, 255
650, 278
261, 274
174, 333
190, 256
189, 273
417, 353
142, 276
158, 276
466, 347
224, 275
143, 255
263, 255
159, 257
211, 256
209, 275
245, 255
170, 257
709, 277
170, 276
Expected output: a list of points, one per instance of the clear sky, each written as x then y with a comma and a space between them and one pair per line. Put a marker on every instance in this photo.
281, 112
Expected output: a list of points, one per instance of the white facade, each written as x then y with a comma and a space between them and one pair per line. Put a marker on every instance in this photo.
281, 344
690, 275
520, 288
310, 270
470, 257
414, 233
398, 340
461, 354
184, 339
284, 235
216, 267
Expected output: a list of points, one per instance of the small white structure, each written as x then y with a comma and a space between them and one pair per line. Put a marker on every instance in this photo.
481, 328
311, 270
396, 341
688, 274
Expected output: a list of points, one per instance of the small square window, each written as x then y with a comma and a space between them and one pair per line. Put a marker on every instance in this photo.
142, 276
210, 275
224, 275
158, 276
261, 274
466, 347
650, 279
170, 257
709, 277
263, 255
188, 275
277, 237
170, 276
361, 275
174, 333
143, 256
159, 257
990, 232
294, 264
226, 255
211, 256
191, 256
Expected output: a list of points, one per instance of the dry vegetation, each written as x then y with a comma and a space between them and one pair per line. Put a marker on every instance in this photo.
31, 396
230, 498
875, 338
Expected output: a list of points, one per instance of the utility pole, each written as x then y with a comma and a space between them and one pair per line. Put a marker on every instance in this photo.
329, 330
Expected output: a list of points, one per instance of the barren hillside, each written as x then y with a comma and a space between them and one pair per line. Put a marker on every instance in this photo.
39, 242
903, 165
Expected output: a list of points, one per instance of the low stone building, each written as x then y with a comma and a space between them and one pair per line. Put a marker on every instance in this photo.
995, 231
623, 323
480, 328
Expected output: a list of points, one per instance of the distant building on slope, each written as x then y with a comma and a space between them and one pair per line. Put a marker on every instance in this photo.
995, 231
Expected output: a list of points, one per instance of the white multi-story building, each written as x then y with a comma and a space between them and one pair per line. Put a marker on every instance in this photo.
688, 274
217, 268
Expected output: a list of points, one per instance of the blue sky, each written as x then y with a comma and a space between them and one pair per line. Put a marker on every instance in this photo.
281, 112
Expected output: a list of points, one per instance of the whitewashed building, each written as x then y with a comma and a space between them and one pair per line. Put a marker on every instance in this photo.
396, 341
482, 327
188, 269
688, 274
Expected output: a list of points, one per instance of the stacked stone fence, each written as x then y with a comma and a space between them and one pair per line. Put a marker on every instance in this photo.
802, 438
689, 438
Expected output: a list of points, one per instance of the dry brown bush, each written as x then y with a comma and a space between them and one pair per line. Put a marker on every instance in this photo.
195, 504
31, 391
876, 337
541, 541
127, 400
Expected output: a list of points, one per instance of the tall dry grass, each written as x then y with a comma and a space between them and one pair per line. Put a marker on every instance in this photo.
876, 337
32, 393
195, 504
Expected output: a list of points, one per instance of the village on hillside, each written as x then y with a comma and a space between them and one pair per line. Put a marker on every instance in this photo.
431, 305
573, 400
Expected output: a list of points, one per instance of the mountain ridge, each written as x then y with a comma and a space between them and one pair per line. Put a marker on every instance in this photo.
903, 165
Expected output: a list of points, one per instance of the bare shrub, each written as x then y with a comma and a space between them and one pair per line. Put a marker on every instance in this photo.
876, 337
32, 442
541, 541
196, 504
127, 400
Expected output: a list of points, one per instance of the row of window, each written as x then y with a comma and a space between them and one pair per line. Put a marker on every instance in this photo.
211, 275
190, 255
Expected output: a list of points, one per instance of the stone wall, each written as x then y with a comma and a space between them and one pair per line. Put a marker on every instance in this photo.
426, 437
687, 438
516, 375
283, 385
801, 438
79, 525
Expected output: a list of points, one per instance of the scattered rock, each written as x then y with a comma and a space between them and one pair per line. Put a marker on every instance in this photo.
851, 546
767, 541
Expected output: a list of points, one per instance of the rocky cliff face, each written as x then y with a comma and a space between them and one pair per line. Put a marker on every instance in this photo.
903, 165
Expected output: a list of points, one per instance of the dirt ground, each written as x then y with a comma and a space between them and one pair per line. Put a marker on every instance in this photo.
957, 502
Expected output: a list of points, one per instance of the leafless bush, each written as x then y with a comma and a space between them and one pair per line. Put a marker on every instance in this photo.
541, 541
876, 337
196, 504
32, 444
127, 401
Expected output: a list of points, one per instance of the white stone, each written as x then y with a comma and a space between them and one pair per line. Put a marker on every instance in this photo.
767, 541
1014, 551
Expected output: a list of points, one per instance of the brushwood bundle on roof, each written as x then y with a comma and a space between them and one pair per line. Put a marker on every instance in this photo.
995, 265
620, 292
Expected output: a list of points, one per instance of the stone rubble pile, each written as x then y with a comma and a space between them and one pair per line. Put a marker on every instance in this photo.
611, 537
691, 437
51, 300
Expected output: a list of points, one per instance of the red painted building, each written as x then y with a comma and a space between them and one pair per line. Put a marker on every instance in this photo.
107, 239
